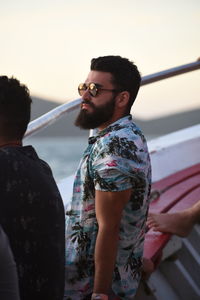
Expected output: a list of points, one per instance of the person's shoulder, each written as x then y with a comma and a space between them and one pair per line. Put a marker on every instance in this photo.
128, 131
31, 154
5, 153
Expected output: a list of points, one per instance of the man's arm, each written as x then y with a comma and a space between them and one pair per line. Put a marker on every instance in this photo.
109, 207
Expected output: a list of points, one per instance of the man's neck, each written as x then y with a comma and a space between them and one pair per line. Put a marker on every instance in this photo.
13, 143
111, 121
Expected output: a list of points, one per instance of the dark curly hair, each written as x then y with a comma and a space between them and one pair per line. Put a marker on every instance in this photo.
15, 106
125, 74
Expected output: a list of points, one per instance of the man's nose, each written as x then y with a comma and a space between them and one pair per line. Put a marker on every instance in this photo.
86, 95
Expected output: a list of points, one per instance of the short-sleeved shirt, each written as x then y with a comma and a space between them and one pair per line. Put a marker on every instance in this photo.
116, 159
32, 216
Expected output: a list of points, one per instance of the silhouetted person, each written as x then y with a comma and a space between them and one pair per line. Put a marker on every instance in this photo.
31, 208
9, 289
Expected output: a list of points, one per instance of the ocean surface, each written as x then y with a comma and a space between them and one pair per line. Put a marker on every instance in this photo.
61, 153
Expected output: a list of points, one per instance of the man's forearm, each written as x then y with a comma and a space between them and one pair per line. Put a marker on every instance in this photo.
105, 257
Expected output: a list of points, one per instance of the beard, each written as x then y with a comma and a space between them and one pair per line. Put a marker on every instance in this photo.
99, 115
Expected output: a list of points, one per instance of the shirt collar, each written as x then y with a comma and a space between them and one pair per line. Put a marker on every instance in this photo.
120, 122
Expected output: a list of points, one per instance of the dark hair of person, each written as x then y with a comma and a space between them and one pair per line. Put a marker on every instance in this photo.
15, 105
125, 74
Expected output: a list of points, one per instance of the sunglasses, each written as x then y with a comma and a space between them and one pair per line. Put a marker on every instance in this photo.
93, 89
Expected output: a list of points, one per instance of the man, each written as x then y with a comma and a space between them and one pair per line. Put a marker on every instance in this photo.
105, 225
179, 223
31, 208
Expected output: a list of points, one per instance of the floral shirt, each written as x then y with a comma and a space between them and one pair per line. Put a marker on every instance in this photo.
116, 159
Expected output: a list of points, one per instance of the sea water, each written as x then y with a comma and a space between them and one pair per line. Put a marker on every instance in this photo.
61, 153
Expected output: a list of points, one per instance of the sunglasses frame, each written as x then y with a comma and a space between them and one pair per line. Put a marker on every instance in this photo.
93, 88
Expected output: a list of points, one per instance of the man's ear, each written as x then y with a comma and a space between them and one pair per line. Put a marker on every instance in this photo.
123, 99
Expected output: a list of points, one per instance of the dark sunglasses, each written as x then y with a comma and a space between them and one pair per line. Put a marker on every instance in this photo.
93, 89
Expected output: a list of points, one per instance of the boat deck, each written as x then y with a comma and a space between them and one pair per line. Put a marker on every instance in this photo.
176, 260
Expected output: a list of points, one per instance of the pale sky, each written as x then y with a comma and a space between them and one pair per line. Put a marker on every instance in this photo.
48, 45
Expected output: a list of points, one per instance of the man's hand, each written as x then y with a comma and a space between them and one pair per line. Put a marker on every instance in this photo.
96, 296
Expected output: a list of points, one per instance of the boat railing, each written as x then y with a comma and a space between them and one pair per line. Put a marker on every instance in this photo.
63, 109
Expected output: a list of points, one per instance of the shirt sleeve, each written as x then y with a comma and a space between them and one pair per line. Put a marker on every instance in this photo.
115, 170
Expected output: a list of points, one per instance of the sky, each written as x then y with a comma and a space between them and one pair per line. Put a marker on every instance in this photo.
48, 45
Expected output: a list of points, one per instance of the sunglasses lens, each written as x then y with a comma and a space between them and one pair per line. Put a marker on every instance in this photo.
82, 88
93, 89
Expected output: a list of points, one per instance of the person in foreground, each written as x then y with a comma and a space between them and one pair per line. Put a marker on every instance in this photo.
179, 223
105, 224
31, 208
9, 289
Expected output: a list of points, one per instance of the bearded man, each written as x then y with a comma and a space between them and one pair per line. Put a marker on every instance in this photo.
105, 224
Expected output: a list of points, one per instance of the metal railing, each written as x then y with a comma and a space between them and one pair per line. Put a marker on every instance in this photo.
55, 114
171, 72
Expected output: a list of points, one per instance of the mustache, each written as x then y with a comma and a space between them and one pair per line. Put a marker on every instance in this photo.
88, 102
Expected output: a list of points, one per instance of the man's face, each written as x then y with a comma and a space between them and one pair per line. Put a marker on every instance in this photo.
97, 111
